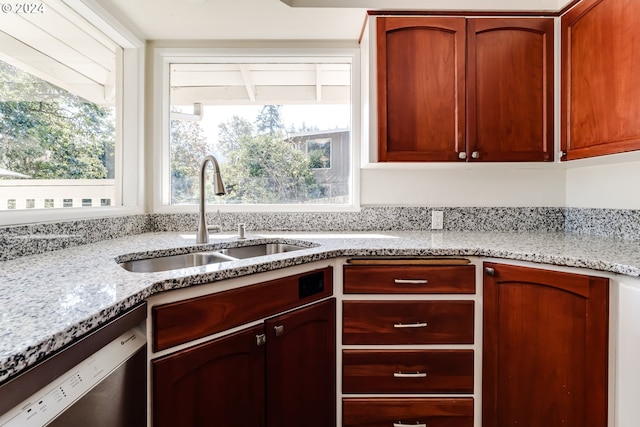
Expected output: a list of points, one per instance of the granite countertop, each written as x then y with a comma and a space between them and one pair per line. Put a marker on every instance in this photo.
49, 300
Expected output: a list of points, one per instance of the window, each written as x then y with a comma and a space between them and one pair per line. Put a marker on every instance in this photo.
62, 124
271, 123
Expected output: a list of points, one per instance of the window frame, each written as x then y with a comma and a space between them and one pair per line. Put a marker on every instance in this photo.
165, 56
129, 127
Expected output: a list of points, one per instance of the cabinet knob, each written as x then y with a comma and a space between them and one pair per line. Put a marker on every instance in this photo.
490, 271
279, 330
261, 339
475, 155
462, 155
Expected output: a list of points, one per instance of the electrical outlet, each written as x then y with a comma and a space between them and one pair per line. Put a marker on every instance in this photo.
437, 220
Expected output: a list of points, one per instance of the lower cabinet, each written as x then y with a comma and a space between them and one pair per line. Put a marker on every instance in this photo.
414, 412
545, 348
408, 337
280, 373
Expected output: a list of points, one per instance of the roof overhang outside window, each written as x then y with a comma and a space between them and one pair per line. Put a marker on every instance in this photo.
58, 45
261, 83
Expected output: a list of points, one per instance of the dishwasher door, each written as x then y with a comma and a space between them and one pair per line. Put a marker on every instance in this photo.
107, 389
119, 400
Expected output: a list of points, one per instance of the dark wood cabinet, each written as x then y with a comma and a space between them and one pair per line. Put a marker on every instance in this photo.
421, 88
301, 367
456, 89
545, 348
221, 382
600, 85
280, 373
510, 89
394, 344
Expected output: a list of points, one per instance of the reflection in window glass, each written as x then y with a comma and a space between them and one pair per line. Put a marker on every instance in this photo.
273, 127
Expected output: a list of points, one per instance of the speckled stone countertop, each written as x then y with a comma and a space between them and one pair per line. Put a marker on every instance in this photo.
49, 300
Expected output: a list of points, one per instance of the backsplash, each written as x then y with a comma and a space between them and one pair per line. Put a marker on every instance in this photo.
26, 240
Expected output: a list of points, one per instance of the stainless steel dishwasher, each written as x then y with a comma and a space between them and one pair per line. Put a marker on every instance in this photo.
98, 381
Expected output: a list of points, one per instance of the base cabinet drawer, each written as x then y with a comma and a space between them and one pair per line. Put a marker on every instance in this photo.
407, 322
405, 412
407, 371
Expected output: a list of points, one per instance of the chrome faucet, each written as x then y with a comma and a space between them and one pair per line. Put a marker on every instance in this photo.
202, 235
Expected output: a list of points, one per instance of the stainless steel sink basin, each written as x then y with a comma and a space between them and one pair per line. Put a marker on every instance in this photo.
259, 250
195, 259
174, 262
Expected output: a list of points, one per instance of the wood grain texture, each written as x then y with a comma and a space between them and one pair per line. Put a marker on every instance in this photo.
376, 279
184, 321
372, 371
600, 85
191, 387
372, 322
545, 348
301, 374
510, 89
421, 88
383, 412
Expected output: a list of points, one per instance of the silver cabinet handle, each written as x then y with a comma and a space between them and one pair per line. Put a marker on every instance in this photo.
490, 271
462, 155
410, 281
279, 330
475, 155
410, 325
409, 374
399, 424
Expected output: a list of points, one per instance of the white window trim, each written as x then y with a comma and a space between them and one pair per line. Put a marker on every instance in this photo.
163, 57
130, 127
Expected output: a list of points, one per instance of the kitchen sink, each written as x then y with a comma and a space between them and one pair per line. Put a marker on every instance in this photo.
259, 250
195, 259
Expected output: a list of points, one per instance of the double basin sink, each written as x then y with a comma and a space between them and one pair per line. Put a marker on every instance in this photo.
196, 259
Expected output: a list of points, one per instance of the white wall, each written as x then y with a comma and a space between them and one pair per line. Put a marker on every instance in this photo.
454, 187
611, 185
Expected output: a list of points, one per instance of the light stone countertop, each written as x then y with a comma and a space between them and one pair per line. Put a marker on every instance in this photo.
49, 300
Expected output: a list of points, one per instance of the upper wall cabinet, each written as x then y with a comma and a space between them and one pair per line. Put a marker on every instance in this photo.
456, 89
600, 85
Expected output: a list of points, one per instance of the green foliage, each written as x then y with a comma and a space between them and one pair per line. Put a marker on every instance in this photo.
260, 165
189, 147
49, 133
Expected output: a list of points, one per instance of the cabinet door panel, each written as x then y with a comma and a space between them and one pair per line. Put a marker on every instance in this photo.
407, 371
384, 412
600, 86
301, 356
407, 322
510, 89
545, 348
421, 88
220, 382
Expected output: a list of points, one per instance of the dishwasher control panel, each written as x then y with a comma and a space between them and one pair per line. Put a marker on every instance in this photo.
45, 405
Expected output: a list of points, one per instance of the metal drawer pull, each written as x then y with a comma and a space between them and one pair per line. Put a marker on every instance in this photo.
410, 281
409, 374
401, 424
410, 325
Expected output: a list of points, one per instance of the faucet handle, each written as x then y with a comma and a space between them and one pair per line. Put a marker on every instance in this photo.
241, 231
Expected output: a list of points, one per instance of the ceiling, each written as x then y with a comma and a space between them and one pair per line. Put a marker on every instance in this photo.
279, 19
234, 20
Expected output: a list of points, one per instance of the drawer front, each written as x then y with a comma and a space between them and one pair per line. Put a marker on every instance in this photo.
409, 279
399, 412
407, 371
184, 321
407, 322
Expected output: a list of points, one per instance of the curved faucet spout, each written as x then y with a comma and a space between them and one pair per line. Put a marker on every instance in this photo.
202, 235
